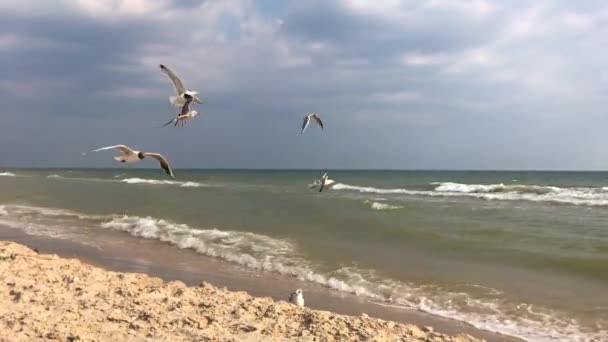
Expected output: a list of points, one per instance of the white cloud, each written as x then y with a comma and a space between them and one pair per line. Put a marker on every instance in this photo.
424, 59
104, 8
395, 97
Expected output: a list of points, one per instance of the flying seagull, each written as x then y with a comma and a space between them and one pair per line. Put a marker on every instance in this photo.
322, 182
324, 179
130, 156
307, 121
186, 114
297, 298
180, 99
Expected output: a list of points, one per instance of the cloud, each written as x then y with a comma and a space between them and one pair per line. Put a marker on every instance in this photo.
437, 78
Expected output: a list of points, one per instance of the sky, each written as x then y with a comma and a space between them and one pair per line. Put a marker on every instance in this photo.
410, 84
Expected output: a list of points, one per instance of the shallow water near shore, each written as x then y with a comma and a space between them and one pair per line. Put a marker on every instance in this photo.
521, 253
129, 254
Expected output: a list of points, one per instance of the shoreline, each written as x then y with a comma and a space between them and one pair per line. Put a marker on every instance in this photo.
192, 268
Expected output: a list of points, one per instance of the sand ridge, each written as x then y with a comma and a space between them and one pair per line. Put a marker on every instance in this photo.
45, 297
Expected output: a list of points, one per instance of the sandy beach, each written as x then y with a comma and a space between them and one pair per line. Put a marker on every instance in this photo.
53, 298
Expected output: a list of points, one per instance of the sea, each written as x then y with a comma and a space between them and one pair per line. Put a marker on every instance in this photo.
520, 253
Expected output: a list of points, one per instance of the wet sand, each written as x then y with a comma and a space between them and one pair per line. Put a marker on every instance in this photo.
128, 254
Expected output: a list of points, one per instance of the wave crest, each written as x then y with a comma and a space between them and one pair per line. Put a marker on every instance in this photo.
382, 206
7, 174
595, 197
282, 256
162, 182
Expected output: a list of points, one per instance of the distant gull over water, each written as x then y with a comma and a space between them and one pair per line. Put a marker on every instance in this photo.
180, 99
322, 182
130, 156
307, 121
186, 114
297, 298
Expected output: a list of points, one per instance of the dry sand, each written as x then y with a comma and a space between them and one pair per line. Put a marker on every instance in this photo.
45, 297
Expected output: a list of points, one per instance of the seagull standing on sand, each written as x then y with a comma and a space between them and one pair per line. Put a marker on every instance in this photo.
297, 298
180, 99
131, 156
186, 114
307, 121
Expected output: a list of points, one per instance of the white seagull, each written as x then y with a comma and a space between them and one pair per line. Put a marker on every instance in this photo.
307, 121
130, 156
186, 114
180, 99
323, 181
297, 298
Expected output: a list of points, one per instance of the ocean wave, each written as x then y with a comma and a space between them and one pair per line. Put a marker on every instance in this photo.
54, 176
382, 206
494, 188
26, 211
192, 185
187, 184
366, 189
262, 252
275, 255
48, 222
317, 183
149, 181
7, 174
595, 197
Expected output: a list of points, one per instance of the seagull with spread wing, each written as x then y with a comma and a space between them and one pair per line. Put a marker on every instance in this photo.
307, 121
130, 156
186, 114
180, 99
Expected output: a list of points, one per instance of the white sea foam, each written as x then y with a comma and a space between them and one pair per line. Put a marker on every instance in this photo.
263, 252
499, 192
54, 176
367, 189
187, 184
192, 185
382, 206
7, 174
495, 188
149, 181
270, 254
317, 183
50, 222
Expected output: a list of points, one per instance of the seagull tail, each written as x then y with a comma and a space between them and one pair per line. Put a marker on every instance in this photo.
170, 122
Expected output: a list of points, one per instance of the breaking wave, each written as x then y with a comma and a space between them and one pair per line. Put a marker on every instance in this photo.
584, 196
163, 182
382, 206
262, 252
7, 174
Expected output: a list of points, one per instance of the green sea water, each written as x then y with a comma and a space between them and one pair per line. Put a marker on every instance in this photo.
521, 253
